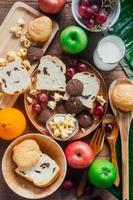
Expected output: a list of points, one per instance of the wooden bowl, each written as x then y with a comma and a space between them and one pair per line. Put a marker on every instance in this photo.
20, 185
102, 92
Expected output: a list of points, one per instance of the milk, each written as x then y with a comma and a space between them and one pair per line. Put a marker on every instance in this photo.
109, 53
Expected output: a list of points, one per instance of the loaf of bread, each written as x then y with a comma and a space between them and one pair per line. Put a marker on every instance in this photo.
14, 78
43, 173
51, 74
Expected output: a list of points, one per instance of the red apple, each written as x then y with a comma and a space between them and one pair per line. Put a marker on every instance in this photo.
79, 155
51, 6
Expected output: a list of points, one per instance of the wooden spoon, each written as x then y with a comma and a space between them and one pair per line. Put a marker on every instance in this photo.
124, 121
112, 138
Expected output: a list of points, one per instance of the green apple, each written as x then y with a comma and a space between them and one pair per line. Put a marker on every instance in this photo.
73, 40
102, 173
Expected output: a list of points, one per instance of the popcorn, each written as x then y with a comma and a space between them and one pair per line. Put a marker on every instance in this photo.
52, 105
29, 100
2, 62
12, 56
62, 126
26, 64
22, 52
57, 97
16, 30
26, 42
101, 100
21, 22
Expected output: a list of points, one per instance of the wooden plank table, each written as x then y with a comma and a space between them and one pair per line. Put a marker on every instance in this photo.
64, 19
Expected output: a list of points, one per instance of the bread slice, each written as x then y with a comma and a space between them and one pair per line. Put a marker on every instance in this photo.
14, 78
91, 87
42, 174
51, 74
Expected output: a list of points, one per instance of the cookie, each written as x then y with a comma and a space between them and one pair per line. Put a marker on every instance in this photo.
34, 54
74, 87
40, 29
26, 154
74, 105
44, 116
85, 119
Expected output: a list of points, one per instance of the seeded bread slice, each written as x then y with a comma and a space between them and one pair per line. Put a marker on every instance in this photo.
43, 174
14, 78
90, 90
51, 74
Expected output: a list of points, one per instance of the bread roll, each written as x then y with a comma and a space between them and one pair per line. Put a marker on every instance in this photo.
40, 29
26, 154
122, 96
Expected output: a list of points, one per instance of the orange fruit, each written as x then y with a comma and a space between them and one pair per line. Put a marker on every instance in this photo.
12, 123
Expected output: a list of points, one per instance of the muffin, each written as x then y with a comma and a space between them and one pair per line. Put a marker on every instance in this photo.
74, 87
74, 105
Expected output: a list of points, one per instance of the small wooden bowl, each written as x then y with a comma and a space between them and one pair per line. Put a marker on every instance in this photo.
20, 185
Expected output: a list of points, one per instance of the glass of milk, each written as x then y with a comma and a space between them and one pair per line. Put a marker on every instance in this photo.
109, 52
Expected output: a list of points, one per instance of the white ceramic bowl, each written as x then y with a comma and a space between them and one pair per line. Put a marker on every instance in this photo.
112, 18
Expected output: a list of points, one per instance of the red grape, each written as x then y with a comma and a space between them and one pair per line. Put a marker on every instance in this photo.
81, 67
98, 111
70, 72
85, 2
101, 17
72, 62
109, 127
82, 10
68, 185
95, 9
43, 97
91, 23
36, 107
88, 13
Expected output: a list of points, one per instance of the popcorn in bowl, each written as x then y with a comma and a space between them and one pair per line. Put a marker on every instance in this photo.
62, 126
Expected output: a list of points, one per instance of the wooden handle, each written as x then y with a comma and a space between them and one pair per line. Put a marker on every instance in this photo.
124, 121
81, 187
114, 161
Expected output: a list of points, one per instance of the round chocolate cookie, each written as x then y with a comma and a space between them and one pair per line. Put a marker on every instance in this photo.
74, 87
34, 54
85, 119
74, 105
44, 116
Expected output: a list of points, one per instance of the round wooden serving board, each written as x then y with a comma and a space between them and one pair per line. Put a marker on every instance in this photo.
102, 92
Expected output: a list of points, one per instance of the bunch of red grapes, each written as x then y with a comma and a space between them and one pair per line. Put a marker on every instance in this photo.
92, 13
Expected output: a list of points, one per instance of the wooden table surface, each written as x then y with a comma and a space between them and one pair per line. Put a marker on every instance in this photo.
64, 19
